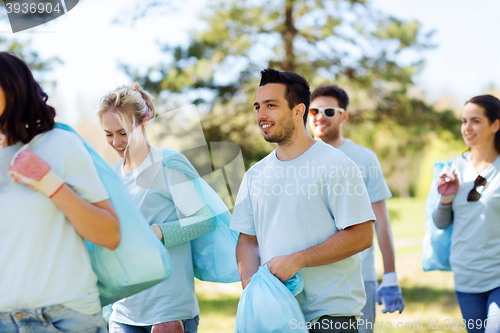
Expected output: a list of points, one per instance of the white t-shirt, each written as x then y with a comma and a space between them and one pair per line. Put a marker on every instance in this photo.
294, 205
373, 177
174, 298
475, 240
43, 260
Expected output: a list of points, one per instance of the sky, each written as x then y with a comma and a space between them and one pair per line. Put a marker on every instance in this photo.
465, 63
467, 59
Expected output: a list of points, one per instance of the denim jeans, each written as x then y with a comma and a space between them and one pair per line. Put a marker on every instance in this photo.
476, 308
190, 326
51, 319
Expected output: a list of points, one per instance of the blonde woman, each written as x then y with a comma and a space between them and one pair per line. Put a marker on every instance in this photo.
169, 200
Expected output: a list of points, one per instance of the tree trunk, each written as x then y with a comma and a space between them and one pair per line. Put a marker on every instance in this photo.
289, 33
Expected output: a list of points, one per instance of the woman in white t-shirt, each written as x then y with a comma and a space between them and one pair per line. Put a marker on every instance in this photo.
169, 200
51, 199
470, 199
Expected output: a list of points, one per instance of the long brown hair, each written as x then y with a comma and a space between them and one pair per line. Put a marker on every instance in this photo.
26, 111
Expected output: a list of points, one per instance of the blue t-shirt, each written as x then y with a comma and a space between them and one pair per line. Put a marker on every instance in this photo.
294, 205
377, 188
174, 298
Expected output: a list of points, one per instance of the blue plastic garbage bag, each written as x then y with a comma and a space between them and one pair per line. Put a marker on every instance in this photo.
141, 260
268, 305
437, 242
106, 311
214, 254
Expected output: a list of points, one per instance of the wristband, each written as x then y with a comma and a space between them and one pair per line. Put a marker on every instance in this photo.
447, 199
60, 187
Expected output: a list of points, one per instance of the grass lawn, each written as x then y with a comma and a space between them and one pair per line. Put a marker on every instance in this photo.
218, 303
429, 296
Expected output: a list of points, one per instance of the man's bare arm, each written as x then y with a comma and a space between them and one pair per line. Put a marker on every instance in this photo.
343, 244
384, 235
248, 257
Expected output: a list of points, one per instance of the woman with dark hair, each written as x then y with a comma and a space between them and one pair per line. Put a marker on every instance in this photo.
470, 199
51, 199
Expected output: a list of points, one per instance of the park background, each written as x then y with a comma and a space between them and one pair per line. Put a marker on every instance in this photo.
407, 65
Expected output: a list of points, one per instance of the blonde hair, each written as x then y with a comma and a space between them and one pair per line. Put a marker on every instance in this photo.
132, 103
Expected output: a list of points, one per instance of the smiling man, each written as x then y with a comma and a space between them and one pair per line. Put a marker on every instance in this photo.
328, 113
304, 208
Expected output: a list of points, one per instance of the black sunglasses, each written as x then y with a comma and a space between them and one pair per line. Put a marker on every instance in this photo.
474, 195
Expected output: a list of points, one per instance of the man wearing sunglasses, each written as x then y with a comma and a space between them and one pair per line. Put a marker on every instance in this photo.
298, 213
327, 114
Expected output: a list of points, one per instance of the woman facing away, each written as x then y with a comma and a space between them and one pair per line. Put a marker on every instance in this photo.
51, 199
169, 200
470, 199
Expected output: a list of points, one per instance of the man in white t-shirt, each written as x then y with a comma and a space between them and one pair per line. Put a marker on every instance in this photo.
328, 112
304, 208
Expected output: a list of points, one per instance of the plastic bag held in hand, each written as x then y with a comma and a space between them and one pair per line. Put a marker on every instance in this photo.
448, 185
390, 291
268, 305
168, 327
27, 168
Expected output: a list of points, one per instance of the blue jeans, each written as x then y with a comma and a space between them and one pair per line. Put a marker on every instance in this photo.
51, 319
476, 308
368, 320
190, 326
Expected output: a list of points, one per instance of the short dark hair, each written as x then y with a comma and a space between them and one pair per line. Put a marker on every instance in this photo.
491, 106
26, 111
334, 91
297, 89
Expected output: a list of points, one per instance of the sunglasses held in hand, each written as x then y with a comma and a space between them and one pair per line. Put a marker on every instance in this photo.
329, 111
474, 195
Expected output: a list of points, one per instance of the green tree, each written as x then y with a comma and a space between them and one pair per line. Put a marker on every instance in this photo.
374, 56
141, 9
25, 51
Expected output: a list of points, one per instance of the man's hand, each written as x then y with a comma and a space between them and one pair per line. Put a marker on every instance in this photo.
285, 267
390, 291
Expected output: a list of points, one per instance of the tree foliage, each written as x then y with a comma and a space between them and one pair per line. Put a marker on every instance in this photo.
142, 9
24, 50
373, 56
